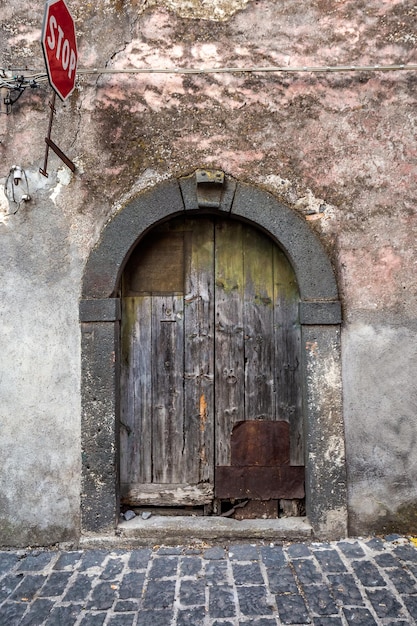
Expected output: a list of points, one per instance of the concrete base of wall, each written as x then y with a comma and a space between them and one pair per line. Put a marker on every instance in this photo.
160, 530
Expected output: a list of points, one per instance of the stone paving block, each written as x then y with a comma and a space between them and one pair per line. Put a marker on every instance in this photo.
320, 600
411, 567
7, 561
28, 587
384, 603
159, 594
37, 612
307, 571
191, 617
93, 619
298, 550
102, 597
214, 554
190, 566
113, 568
368, 574
79, 589
248, 573
385, 559
352, 550
192, 592
292, 609
92, 558
55, 584
8, 584
67, 615
11, 613
139, 559
375, 544
310, 583
403, 581
154, 618
35, 562
216, 572
272, 556
359, 617
253, 601
281, 580
221, 601
392, 537
124, 606
406, 553
411, 604
131, 585
67, 560
345, 590
329, 560
124, 619
263, 621
163, 567
243, 552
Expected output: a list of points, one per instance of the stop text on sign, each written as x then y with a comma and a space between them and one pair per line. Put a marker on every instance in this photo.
59, 47
63, 51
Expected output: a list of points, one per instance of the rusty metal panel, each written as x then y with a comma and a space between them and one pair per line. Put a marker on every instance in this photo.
260, 443
259, 483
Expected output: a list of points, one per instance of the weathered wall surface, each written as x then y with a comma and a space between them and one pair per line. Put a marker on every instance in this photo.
338, 148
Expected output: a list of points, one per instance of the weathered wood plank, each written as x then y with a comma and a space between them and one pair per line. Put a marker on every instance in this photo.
258, 326
166, 495
168, 392
229, 343
136, 391
288, 354
199, 353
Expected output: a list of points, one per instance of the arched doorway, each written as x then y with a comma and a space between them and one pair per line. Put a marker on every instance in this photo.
319, 315
211, 402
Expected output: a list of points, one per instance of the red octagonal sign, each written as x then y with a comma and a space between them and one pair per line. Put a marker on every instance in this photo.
59, 47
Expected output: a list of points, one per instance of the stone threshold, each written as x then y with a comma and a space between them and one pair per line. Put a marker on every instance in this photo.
185, 530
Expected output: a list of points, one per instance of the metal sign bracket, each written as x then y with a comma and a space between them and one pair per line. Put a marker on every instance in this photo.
52, 145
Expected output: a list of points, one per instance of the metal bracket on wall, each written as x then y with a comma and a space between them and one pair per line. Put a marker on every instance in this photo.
209, 188
52, 145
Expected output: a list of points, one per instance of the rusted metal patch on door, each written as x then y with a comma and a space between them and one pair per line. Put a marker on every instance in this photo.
260, 464
256, 442
259, 483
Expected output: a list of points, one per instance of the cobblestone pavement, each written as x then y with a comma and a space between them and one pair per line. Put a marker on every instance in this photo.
356, 581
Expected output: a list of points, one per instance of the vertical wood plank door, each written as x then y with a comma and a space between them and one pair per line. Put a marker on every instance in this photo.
210, 338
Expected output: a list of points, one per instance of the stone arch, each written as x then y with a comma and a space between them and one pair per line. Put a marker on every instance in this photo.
320, 317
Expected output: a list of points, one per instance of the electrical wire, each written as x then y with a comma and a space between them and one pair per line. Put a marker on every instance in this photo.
254, 69
16, 81
17, 78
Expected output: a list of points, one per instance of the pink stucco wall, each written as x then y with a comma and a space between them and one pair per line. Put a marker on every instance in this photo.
338, 148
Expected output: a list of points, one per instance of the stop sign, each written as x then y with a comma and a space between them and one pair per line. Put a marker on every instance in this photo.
59, 47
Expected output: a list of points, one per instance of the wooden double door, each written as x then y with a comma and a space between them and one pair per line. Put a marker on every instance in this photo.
210, 339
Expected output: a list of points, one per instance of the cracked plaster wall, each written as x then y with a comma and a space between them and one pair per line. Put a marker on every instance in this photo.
340, 149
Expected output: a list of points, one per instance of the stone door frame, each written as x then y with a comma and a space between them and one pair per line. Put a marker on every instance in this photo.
320, 318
